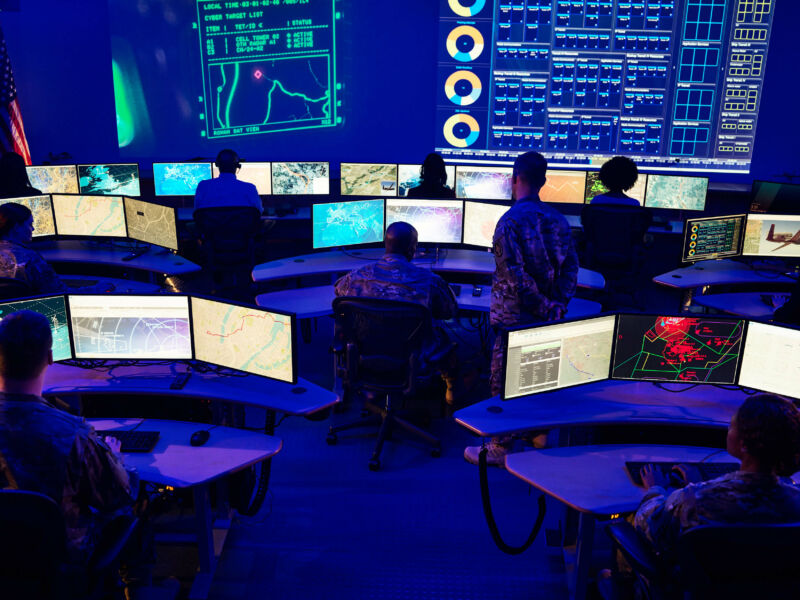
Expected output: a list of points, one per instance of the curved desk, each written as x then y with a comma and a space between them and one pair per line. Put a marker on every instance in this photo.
718, 272
743, 304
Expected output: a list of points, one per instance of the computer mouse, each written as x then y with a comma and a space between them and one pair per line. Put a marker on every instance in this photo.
494, 409
200, 437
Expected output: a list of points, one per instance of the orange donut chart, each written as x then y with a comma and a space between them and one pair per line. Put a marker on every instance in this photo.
466, 11
458, 142
454, 96
465, 55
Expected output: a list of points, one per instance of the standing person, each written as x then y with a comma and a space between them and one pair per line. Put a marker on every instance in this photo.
226, 190
619, 174
536, 270
14, 182
434, 180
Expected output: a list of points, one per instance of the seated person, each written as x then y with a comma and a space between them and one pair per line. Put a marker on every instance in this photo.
226, 190
618, 174
14, 182
434, 180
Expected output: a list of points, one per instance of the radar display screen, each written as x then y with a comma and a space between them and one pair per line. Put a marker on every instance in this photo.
347, 223
436, 221
483, 183
713, 237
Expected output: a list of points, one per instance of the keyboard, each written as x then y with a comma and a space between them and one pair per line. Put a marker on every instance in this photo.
134, 441
708, 470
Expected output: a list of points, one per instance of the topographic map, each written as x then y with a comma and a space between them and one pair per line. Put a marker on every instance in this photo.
684, 193
56, 312
480, 221
110, 180
151, 223
179, 179
348, 223
289, 178
481, 183
89, 215
247, 339
369, 180
42, 210
54, 179
436, 221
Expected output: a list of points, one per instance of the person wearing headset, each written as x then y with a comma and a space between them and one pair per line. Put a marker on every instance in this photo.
226, 190
433, 177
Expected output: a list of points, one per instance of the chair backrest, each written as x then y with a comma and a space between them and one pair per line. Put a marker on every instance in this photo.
11, 288
227, 233
614, 234
382, 338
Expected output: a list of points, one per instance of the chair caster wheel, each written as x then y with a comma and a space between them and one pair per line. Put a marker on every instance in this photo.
436, 452
332, 439
374, 464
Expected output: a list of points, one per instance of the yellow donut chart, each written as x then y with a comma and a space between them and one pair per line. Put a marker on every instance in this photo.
465, 55
458, 142
475, 88
466, 11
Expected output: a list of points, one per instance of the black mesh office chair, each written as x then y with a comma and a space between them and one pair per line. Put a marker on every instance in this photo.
11, 288
377, 345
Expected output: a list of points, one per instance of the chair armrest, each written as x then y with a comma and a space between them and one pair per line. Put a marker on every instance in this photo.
640, 556
113, 540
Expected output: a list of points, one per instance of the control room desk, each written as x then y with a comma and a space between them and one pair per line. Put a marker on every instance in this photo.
719, 272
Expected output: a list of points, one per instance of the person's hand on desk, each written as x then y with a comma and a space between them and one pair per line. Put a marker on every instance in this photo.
114, 445
687, 474
652, 477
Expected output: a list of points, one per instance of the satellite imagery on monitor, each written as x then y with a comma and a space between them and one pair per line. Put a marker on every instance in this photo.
54, 179
348, 223
42, 210
109, 180
290, 178
151, 223
179, 179
56, 312
684, 193
369, 180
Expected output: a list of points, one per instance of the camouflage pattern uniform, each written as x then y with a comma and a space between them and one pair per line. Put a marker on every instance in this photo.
46, 450
536, 271
19, 262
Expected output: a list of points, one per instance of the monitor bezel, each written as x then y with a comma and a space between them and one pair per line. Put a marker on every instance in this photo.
382, 194
72, 236
77, 178
691, 210
464, 242
687, 260
485, 167
139, 239
353, 199
585, 174
386, 223
753, 196
66, 311
155, 189
312, 162
44, 236
116, 164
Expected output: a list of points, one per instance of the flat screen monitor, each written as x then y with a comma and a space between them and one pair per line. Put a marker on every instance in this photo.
678, 349
769, 361
368, 179
483, 183
151, 223
480, 221
55, 309
179, 179
713, 237
257, 173
550, 357
564, 187
301, 178
130, 327
436, 221
42, 209
408, 176
775, 198
89, 216
109, 180
245, 338
54, 179
676, 192
772, 236
347, 223
595, 187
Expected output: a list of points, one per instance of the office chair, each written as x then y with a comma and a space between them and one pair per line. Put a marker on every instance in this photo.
11, 288
718, 561
376, 346
33, 550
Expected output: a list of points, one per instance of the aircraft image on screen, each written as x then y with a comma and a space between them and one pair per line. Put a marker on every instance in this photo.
784, 239
243, 338
151, 223
369, 179
480, 221
257, 173
436, 221
565, 187
54, 179
291, 178
42, 209
109, 180
408, 176
595, 187
683, 193
179, 179
772, 235
89, 215
54, 308
483, 183
347, 223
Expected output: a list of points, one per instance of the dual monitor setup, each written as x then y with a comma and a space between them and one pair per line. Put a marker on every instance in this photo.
168, 327
678, 349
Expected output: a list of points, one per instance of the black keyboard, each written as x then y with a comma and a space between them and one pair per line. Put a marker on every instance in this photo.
134, 441
708, 470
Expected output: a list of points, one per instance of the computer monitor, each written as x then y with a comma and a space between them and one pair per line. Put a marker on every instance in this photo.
179, 179
676, 192
769, 360
347, 223
368, 179
550, 357
436, 221
54, 179
408, 176
480, 221
257, 173
703, 349
89, 216
109, 180
151, 223
565, 187
42, 209
775, 198
595, 187
130, 327
245, 338
483, 183
301, 178
774, 236
55, 309
713, 237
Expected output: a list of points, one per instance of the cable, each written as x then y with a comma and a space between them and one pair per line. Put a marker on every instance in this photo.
666, 389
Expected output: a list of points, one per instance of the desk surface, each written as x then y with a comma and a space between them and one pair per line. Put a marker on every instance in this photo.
452, 260
174, 462
604, 403
744, 304
301, 399
82, 284
718, 272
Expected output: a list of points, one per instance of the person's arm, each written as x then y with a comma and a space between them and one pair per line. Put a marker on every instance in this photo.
342, 286
200, 195
567, 281
41, 277
254, 199
658, 516
105, 484
443, 302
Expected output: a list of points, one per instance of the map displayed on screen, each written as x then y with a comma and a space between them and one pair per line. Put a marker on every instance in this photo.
239, 337
368, 179
179, 179
480, 221
436, 221
89, 215
306, 178
257, 173
408, 176
151, 223
595, 187
347, 223
42, 209
565, 187
682, 193
55, 309
54, 179
483, 183
109, 180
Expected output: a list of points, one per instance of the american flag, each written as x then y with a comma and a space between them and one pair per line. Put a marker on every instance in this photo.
12, 133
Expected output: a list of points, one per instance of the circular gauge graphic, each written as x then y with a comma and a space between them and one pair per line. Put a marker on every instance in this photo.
465, 43
461, 131
463, 88
457, 6
691, 252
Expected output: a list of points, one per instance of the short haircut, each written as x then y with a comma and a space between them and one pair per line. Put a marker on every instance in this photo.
227, 161
619, 174
769, 428
25, 341
11, 215
532, 167
400, 238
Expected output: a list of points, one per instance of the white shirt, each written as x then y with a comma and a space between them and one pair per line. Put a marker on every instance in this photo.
226, 190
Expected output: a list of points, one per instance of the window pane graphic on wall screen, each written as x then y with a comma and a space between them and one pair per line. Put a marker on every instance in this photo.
669, 82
